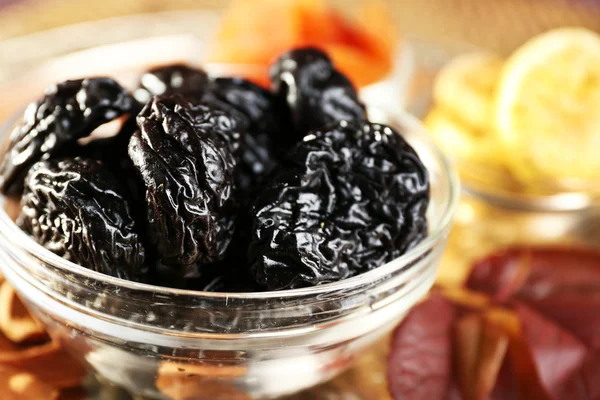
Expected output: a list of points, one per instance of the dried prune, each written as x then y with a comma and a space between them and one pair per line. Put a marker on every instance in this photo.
112, 151
74, 207
352, 197
189, 184
68, 111
315, 92
171, 79
257, 158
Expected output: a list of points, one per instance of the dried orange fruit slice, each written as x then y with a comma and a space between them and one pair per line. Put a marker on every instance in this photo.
461, 141
547, 106
466, 88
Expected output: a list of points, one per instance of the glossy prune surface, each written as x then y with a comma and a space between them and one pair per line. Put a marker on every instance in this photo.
188, 175
68, 111
352, 197
315, 92
171, 79
75, 208
264, 125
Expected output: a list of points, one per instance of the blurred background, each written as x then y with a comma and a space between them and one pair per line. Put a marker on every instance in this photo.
500, 25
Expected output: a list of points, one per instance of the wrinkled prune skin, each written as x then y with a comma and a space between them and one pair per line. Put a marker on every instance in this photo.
68, 111
112, 152
257, 159
171, 79
352, 198
189, 185
316, 93
74, 208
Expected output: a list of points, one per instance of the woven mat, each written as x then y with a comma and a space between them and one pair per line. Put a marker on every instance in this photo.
499, 25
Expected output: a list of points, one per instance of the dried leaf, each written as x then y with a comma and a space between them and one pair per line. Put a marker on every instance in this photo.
556, 354
18, 385
419, 364
16, 322
182, 381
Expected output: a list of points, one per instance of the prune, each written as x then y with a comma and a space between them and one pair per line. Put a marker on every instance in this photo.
189, 184
257, 158
315, 92
352, 197
171, 79
112, 152
67, 112
74, 208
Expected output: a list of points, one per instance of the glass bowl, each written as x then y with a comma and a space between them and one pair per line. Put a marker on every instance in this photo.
162, 343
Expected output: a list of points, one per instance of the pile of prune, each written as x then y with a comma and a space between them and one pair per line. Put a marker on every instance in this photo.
216, 183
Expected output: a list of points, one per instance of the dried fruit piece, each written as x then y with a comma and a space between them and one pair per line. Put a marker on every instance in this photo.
466, 343
480, 348
189, 181
353, 197
172, 79
18, 385
199, 382
419, 364
316, 94
555, 352
68, 111
74, 207
492, 351
16, 322
257, 159
49, 363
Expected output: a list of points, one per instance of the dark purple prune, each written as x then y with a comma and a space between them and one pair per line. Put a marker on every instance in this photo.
257, 158
68, 111
171, 79
189, 184
351, 198
315, 92
112, 152
74, 208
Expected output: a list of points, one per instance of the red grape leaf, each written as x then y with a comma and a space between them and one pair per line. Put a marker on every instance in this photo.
577, 313
585, 383
555, 352
419, 364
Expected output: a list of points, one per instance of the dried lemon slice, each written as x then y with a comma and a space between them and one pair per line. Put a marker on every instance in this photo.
461, 141
466, 87
548, 106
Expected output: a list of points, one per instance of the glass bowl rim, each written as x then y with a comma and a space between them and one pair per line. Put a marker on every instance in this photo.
13, 236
